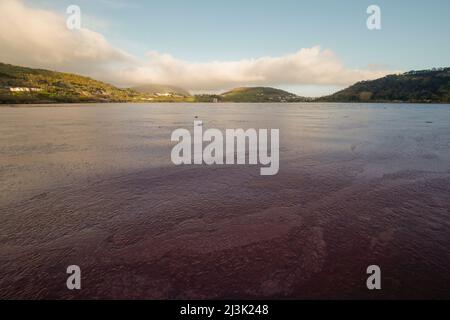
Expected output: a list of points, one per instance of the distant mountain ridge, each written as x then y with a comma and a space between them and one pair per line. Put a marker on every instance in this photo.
259, 94
252, 95
424, 86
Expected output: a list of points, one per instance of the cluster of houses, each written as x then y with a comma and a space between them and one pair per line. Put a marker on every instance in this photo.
162, 95
165, 94
24, 89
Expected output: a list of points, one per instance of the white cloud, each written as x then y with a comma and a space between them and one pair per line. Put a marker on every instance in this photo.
305, 67
39, 38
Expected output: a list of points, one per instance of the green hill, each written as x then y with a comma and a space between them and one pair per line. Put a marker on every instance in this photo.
26, 85
424, 86
259, 94
155, 89
253, 94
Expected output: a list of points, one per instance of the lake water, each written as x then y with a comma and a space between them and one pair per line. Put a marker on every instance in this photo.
93, 185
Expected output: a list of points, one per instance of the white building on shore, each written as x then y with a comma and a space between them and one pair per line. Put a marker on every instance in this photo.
24, 89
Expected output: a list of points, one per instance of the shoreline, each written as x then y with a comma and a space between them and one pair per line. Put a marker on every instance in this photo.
87, 104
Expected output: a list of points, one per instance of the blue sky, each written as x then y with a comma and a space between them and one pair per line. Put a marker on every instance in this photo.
414, 34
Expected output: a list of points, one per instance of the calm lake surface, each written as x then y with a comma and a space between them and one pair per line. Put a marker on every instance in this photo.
93, 185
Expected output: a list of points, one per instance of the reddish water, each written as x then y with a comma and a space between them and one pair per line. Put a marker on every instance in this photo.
94, 186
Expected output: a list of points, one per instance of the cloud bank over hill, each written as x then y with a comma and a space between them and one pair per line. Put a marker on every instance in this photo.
39, 38
305, 67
